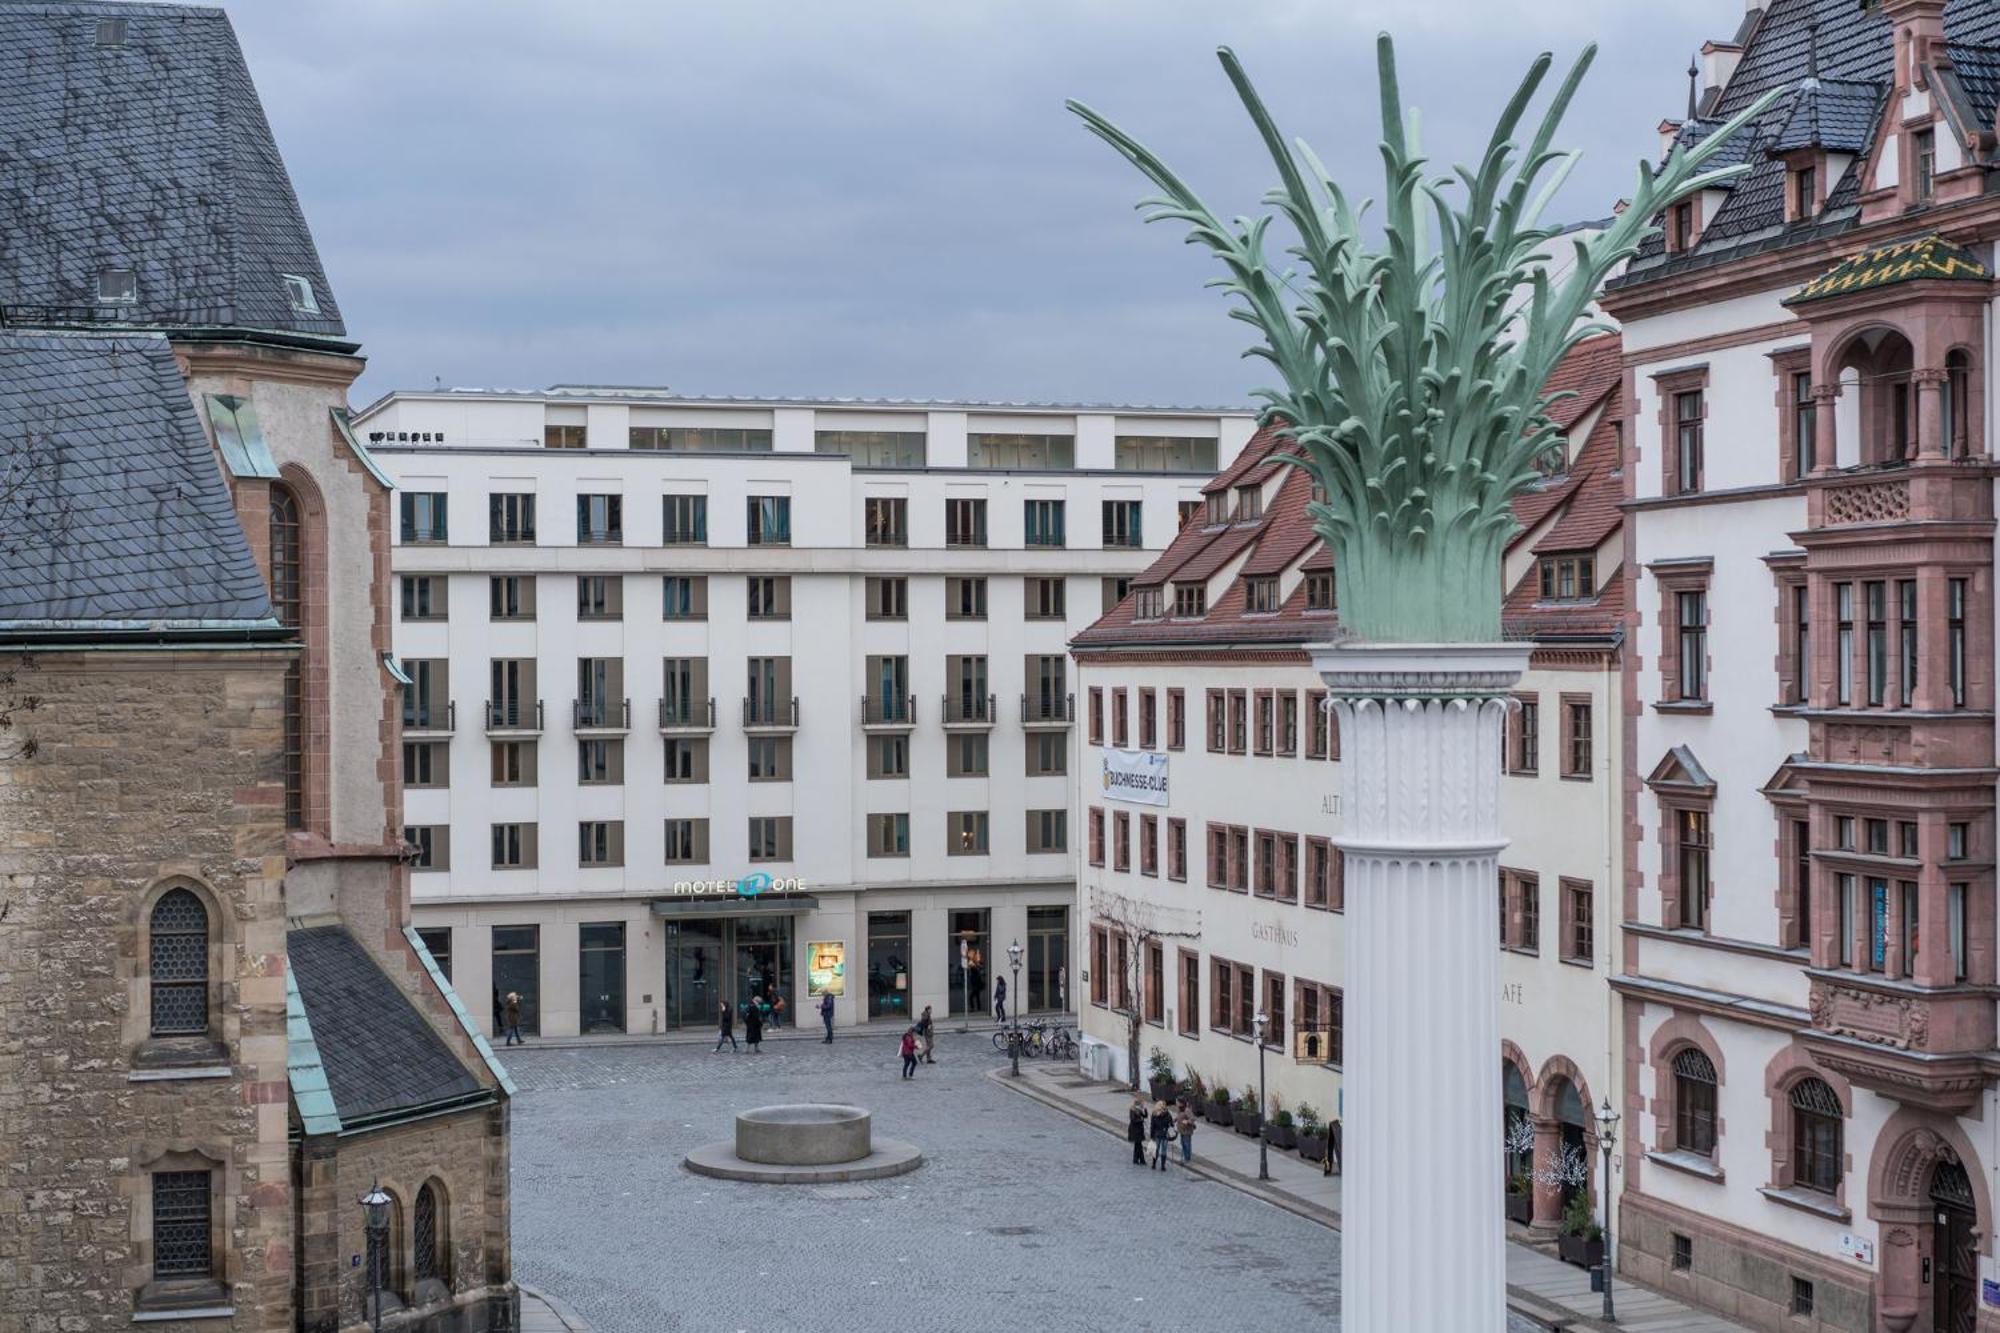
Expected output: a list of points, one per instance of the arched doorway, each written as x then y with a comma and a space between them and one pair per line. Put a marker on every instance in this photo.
1954, 1249
1518, 1134
1572, 1160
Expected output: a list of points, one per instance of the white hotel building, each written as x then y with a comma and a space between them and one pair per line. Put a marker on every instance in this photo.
712, 698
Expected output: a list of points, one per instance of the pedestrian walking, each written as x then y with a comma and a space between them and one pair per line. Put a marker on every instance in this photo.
909, 1049
1135, 1130
753, 1027
725, 1027
826, 1015
1184, 1127
1000, 999
511, 1016
1161, 1126
927, 1027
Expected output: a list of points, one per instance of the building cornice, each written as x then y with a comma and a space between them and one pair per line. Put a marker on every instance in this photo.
1714, 1003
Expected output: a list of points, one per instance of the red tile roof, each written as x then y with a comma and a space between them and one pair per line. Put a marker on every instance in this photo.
1584, 505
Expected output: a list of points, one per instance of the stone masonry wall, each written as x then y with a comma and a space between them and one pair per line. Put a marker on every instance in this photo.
152, 768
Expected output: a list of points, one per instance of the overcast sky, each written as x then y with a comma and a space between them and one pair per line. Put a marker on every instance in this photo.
863, 197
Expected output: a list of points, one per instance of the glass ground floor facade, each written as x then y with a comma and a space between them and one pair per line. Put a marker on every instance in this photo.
585, 966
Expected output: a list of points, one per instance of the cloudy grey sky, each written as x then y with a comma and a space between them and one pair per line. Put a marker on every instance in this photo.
862, 197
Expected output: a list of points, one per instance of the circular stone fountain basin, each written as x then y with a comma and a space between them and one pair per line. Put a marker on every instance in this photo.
805, 1144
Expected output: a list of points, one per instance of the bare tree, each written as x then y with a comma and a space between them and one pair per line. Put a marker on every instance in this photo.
1134, 925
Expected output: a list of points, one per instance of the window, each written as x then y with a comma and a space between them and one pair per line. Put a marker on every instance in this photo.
1163, 453
886, 520
600, 520
1249, 504
437, 942
510, 519
1579, 925
1100, 966
430, 844
888, 598
1875, 601
1799, 663
1288, 722
600, 842
426, 764
424, 515
965, 833
1683, 1245
1149, 719
177, 964
111, 32
1525, 748
1266, 706
1804, 181
600, 762
964, 522
1177, 719
770, 837
1122, 523
1906, 633
1816, 1148
1150, 604
1218, 724
686, 759
1923, 151
873, 448
687, 842
563, 437
513, 763
1689, 411
1043, 599
424, 597
600, 597
117, 286
1316, 720
1121, 729
1955, 639
1576, 737
510, 597
1121, 841
768, 597
1189, 511
889, 835
684, 597
1681, 226
1843, 617
1802, 1296
1048, 831
429, 1248
965, 599
699, 439
1692, 853
684, 520
1239, 722
684, 697
1042, 522
183, 1233
1805, 425
1048, 754
513, 846
1190, 600
1324, 875
1096, 822
1095, 701
1694, 1102
1260, 595
1955, 406
1691, 621
1568, 578
287, 556
1113, 590
769, 520
1319, 590
1177, 849
1520, 911
1189, 1023
771, 758
1039, 453
966, 756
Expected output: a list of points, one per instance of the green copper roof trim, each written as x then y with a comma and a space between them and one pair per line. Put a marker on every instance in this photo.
443, 984
303, 1070
239, 437
1413, 374
343, 421
1927, 257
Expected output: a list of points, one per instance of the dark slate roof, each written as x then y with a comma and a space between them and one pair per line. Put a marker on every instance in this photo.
152, 156
1853, 55
113, 512
380, 1056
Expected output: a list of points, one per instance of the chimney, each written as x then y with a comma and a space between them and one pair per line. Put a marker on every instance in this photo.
1718, 62
1919, 35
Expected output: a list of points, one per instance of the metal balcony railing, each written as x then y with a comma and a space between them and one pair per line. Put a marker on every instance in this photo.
514, 715
439, 718
601, 715
895, 710
771, 712
1044, 709
687, 714
967, 710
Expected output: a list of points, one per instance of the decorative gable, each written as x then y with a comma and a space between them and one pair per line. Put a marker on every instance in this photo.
1680, 771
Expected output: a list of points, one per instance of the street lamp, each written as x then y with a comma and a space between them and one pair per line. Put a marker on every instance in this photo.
1014, 1038
1607, 1134
375, 1208
1263, 1144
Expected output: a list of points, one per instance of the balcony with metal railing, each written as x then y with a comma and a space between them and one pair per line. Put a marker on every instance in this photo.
519, 717
765, 714
888, 712
1044, 709
603, 717
425, 717
967, 712
687, 716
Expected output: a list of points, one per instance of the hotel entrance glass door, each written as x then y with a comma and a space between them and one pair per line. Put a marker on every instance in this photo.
734, 959
694, 973
763, 958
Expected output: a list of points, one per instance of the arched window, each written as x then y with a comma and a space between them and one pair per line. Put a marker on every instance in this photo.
1519, 1134
431, 1237
177, 964
1694, 1102
1816, 1120
287, 599
1956, 403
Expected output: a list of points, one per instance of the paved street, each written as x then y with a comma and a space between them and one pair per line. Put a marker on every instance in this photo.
1021, 1215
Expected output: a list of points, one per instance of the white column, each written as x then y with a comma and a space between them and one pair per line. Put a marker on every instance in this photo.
1422, 1237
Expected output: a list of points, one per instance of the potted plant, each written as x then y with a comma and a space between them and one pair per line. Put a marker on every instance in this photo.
1311, 1133
1280, 1132
1520, 1199
1581, 1240
1249, 1115
1160, 1078
1197, 1093
1220, 1110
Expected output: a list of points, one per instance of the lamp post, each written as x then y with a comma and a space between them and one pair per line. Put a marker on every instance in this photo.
1607, 1135
375, 1211
1014, 1037
1263, 1144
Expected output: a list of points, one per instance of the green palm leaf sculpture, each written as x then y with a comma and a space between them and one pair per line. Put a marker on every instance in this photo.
1413, 374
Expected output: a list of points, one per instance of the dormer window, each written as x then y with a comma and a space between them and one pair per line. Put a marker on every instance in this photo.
1319, 591
1190, 600
118, 286
1568, 578
1924, 148
300, 290
1805, 186
1218, 508
1680, 226
1148, 605
111, 32
1260, 595
1249, 504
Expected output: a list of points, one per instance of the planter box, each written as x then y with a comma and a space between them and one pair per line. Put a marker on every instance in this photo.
1221, 1113
1583, 1253
1521, 1208
1280, 1136
1312, 1147
1248, 1123
1163, 1090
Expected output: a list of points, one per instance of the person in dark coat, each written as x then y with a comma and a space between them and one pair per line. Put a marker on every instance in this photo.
753, 1027
826, 1015
927, 1031
1135, 1130
726, 1027
511, 1016
1161, 1127
1000, 999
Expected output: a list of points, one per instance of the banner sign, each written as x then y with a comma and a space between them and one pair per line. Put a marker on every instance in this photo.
1138, 777
826, 968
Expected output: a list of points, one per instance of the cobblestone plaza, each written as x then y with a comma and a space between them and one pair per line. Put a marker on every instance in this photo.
1020, 1216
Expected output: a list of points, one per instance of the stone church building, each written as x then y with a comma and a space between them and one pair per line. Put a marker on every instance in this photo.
217, 1028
